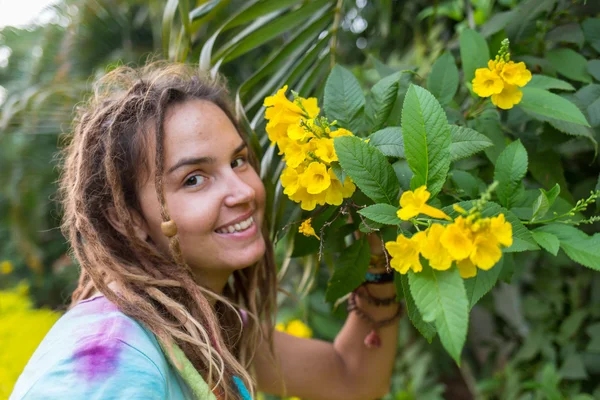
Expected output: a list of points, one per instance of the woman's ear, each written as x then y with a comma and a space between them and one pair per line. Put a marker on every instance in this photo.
139, 225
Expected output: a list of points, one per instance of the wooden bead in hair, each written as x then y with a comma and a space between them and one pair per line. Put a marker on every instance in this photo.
169, 229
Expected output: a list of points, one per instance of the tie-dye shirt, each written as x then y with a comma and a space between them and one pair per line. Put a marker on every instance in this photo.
96, 352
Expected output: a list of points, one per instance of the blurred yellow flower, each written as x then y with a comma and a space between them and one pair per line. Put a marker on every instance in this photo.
508, 97
413, 204
340, 132
515, 73
315, 179
306, 228
502, 230
299, 329
486, 252
405, 253
466, 268
6, 267
487, 82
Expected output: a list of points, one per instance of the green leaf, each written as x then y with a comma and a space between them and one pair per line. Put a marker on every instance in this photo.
440, 296
568, 33
466, 142
382, 213
523, 23
544, 201
497, 22
482, 283
427, 139
167, 25
489, 124
569, 63
511, 167
591, 31
389, 140
580, 247
548, 82
384, 94
368, 168
593, 68
442, 81
344, 101
466, 182
551, 105
403, 173
547, 241
426, 329
203, 10
474, 53
350, 270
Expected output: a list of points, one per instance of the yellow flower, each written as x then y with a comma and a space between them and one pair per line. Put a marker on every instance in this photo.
337, 192
315, 179
299, 329
324, 150
280, 327
299, 131
496, 65
340, 132
276, 133
466, 268
280, 110
413, 204
405, 253
431, 248
308, 201
295, 153
290, 181
486, 252
502, 230
459, 209
306, 229
6, 267
458, 239
487, 82
515, 74
509, 96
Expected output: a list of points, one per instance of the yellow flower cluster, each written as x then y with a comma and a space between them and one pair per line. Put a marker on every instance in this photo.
502, 79
306, 142
6, 267
306, 228
295, 328
470, 241
21, 331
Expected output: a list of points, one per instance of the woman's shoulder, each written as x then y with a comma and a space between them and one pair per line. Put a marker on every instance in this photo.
94, 349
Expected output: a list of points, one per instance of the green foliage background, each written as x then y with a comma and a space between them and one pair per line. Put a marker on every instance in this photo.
535, 335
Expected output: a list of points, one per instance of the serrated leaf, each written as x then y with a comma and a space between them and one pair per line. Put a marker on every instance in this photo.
569, 63
403, 174
547, 241
442, 81
389, 140
426, 329
466, 142
548, 82
344, 100
440, 296
580, 247
544, 201
426, 139
469, 184
474, 52
350, 270
384, 94
551, 105
482, 283
382, 213
368, 168
511, 167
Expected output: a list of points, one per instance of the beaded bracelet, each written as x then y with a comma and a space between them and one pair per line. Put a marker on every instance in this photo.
376, 301
372, 340
384, 277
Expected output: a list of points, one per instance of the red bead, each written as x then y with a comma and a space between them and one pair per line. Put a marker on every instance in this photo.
373, 340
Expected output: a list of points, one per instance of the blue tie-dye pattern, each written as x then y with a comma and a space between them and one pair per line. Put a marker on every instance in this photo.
242, 388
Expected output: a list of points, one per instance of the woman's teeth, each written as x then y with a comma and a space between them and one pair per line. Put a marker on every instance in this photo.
242, 226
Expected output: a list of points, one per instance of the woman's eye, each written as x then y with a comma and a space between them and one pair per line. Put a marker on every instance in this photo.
238, 162
194, 180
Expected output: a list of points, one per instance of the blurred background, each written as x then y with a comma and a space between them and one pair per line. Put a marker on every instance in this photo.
535, 336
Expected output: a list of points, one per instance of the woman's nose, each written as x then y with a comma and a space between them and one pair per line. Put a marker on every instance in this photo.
238, 191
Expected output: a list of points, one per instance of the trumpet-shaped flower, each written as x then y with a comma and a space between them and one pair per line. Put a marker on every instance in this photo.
486, 252
508, 97
308, 201
405, 253
439, 258
306, 228
487, 82
515, 73
457, 238
413, 204
315, 179
299, 131
502, 230
340, 132
290, 180
280, 110
466, 268
324, 150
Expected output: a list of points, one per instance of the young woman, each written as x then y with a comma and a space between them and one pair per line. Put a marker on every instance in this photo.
165, 212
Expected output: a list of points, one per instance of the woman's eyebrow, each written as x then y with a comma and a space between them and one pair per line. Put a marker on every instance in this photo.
201, 160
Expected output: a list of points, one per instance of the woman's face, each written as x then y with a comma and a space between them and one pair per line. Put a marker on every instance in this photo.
213, 194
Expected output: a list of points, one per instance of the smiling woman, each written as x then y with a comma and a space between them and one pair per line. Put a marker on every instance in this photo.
164, 209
